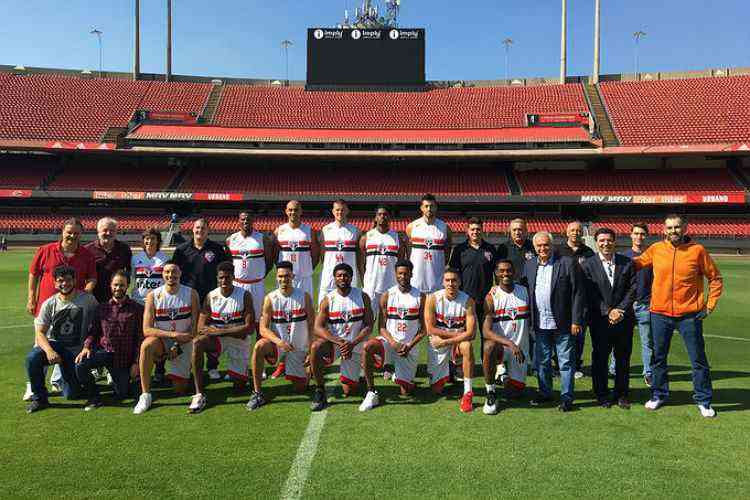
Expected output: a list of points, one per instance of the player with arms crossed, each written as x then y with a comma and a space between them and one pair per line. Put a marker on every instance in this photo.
402, 307
450, 322
285, 327
224, 325
343, 323
170, 321
506, 334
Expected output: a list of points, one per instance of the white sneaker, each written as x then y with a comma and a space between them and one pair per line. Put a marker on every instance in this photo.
144, 403
578, 374
490, 404
110, 381
707, 411
214, 374
56, 387
387, 375
28, 394
501, 370
197, 403
264, 375
371, 401
654, 404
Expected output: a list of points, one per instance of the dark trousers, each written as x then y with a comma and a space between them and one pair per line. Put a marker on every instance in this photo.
480, 320
580, 346
36, 362
605, 339
99, 359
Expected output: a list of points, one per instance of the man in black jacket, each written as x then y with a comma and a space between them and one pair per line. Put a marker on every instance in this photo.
610, 291
556, 297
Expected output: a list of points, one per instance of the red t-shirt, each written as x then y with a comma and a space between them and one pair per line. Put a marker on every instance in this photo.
50, 256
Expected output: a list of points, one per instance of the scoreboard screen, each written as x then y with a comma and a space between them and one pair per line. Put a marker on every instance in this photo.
354, 56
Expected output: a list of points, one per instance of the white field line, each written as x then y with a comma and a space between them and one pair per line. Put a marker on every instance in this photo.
295, 482
726, 338
6, 327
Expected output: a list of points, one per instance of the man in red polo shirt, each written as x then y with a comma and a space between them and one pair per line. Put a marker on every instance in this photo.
69, 252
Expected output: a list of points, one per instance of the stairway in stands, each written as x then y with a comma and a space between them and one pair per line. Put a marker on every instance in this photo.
601, 118
735, 170
513, 184
112, 134
212, 103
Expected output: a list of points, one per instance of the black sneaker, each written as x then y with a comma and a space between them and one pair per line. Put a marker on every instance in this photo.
565, 406
540, 400
93, 404
37, 405
319, 401
256, 401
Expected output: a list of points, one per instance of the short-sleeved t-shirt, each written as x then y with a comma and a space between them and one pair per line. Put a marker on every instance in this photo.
50, 256
69, 321
199, 266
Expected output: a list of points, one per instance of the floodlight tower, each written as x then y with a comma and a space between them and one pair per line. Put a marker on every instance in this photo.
508, 42
98, 33
637, 36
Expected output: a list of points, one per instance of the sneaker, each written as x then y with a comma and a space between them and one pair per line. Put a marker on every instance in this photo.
36, 405
371, 401
387, 375
707, 411
110, 380
28, 394
214, 375
279, 371
565, 406
647, 380
578, 374
623, 403
93, 404
256, 401
197, 403
490, 405
144, 403
500, 370
319, 401
56, 387
654, 404
467, 403
264, 375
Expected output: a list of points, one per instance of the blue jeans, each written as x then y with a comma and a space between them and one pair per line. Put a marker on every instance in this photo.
36, 362
547, 342
691, 330
98, 359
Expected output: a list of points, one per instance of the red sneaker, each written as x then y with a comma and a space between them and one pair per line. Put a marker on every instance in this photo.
467, 405
280, 370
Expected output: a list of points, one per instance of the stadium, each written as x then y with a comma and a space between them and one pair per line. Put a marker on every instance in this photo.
161, 150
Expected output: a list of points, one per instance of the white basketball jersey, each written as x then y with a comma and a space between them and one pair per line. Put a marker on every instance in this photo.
511, 314
381, 250
173, 313
248, 257
450, 314
289, 317
346, 314
294, 246
340, 243
226, 312
147, 271
428, 243
402, 314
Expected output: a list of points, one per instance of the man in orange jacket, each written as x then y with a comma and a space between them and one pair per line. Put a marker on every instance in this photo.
678, 303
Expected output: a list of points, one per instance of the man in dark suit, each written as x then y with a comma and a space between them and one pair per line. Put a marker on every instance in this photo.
557, 301
610, 290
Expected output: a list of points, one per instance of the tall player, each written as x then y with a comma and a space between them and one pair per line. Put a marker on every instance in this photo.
170, 321
380, 248
343, 323
224, 326
339, 247
402, 307
450, 321
506, 334
429, 237
285, 327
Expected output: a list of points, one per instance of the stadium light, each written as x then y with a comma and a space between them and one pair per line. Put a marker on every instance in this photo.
98, 33
285, 44
168, 72
508, 42
637, 36
597, 40
564, 42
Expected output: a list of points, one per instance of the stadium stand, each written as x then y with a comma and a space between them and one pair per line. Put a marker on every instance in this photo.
455, 108
89, 175
625, 182
51, 223
705, 226
25, 173
691, 111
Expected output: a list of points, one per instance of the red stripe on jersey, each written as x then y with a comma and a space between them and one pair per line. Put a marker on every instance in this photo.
235, 314
345, 242
255, 251
352, 313
179, 310
444, 319
501, 312
423, 240
387, 247
301, 243
394, 310
282, 314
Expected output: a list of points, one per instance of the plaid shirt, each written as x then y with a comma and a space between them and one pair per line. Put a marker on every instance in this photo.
118, 328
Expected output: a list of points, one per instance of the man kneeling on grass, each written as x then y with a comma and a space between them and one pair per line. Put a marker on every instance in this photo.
113, 343
224, 326
285, 326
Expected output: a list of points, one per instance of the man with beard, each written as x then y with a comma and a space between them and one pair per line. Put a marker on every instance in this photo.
110, 255
429, 237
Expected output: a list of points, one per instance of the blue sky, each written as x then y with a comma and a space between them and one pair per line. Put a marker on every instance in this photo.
242, 38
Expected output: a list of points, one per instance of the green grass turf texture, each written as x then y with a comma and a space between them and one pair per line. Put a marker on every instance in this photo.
408, 448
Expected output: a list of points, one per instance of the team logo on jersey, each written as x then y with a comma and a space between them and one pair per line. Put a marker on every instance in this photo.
148, 272
402, 312
226, 317
293, 245
172, 314
449, 322
288, 315
346, 316
428, 243
209, 256
512, 312
381, 249
66, 329
340, 245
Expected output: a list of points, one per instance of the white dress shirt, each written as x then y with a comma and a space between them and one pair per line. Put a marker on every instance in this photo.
543, 295
609, 268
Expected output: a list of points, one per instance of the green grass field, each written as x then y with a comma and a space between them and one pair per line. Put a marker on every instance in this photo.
408, 448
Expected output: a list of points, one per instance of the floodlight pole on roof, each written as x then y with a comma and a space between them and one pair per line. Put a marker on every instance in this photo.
168, 74
564, 42
137, 51
597, 37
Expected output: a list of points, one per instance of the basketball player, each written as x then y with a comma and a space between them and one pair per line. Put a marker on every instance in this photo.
450, 321
343, 323
285, 327
224, 326
170, 321
429, 237
339, 247
402, 308
506, 334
